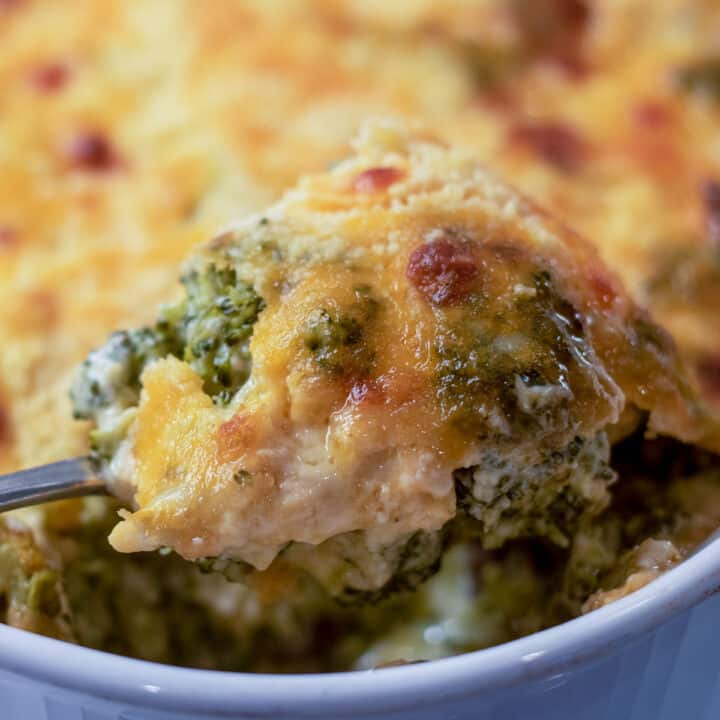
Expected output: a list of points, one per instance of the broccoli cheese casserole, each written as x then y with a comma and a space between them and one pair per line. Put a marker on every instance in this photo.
393, 341
401, 410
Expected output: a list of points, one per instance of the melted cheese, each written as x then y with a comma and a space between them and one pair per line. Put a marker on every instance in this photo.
209, 127
418, 276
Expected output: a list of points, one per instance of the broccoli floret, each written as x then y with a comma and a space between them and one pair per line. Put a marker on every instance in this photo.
337, 339
329, 337
349, 569
508, 365
547, 497
357, 571
215, 322
209, 328
31, 593
108, 384
110, 376
413, 561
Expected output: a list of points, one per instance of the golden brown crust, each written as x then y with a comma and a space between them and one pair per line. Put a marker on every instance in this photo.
411, 326
232, 124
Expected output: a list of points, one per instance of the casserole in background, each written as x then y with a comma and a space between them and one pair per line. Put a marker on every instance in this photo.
124, 147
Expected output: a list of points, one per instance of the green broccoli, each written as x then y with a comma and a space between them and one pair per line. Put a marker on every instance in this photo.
209, 328
110, 376
356, 572
506, 365
214, 323
338, 340
348, 570
546, 498
31, 593
412, 561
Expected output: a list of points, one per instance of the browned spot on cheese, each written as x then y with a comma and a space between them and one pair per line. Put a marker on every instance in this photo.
393, 388
652, 114
554, 29
498, 99
443, 270
9, 237
376, 179
234, 437
556, 143
603, 285
711, 201
50, 77
91, 151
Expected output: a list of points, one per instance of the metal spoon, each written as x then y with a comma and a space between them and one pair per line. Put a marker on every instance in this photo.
56, 481
76, 478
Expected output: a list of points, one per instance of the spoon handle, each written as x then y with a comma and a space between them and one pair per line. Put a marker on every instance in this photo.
56, 481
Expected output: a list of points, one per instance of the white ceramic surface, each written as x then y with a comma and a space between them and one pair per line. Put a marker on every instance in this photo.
654, 655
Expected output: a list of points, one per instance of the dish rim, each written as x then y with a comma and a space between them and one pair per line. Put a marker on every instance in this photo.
554, 652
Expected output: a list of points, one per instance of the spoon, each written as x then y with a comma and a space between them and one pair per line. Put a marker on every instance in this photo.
76, 478
56, 481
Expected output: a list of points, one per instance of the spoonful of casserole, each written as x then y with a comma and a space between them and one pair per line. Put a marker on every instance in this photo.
400, 352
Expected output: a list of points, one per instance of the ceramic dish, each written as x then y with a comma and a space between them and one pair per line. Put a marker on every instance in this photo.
653, 655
